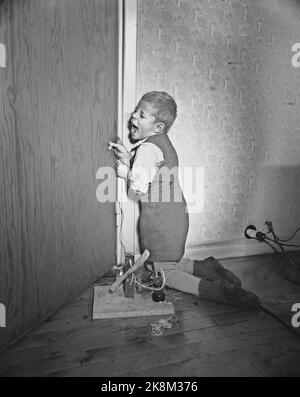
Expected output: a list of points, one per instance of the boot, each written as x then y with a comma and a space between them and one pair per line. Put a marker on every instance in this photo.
222, 291
211, 269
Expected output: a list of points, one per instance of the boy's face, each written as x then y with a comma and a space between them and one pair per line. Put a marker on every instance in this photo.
143, 122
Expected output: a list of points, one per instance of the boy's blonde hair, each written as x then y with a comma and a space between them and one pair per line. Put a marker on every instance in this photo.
165, 105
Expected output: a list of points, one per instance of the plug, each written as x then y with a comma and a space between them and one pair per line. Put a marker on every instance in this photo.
270, 226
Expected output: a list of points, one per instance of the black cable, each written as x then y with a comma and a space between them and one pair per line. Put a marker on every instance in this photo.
290, 260
268, 311
279, 242
290, 245
274, 249
288, 239
274, 241
285, 256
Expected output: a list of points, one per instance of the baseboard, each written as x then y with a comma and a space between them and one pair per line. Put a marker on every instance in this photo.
230, 249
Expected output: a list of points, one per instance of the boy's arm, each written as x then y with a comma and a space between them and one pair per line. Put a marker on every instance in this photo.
144, 168
122, 170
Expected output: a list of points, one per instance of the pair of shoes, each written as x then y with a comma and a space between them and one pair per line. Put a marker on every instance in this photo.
211, 269
223, 291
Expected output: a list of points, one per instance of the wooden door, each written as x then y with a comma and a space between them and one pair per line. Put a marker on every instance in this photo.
58, 110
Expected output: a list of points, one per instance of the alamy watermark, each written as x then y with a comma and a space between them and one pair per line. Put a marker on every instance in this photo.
166, 188
2, 316
2, 56
296, 57
296, 317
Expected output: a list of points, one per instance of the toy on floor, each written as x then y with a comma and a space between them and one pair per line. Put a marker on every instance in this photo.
155, 281
111, 302
139, 263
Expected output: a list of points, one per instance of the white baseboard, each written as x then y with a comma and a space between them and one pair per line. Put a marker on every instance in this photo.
230, 249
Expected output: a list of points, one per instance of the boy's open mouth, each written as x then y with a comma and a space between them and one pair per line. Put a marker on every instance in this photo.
134, 128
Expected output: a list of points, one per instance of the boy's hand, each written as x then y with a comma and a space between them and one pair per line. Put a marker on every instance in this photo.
120, 151
122, 170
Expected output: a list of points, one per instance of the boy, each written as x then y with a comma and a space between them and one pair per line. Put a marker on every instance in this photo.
163, 222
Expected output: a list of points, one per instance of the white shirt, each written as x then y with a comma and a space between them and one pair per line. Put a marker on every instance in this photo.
147, 160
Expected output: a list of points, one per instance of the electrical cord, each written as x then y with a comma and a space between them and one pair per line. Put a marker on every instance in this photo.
281, 244
261, 237
284, 254
121, 226
279, 319
263, 308
270, 245
290, 238
149, 287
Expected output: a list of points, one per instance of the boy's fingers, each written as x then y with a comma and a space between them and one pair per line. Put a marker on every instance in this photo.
113, 145
117, 145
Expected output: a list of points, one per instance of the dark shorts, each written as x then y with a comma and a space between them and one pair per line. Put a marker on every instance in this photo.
163, 229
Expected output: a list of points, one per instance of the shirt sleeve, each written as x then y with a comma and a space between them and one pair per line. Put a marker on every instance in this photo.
147, 160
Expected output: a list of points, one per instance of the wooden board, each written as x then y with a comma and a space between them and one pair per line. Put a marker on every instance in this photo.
116, 305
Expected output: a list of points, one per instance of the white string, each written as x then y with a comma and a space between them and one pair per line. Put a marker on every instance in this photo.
159, 327
149, 287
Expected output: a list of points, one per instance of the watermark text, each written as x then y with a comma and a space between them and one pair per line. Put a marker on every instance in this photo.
296, 317
296, 57
2, 316
2, 56
167, 185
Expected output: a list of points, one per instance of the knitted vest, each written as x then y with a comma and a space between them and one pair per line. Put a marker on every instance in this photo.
165, 185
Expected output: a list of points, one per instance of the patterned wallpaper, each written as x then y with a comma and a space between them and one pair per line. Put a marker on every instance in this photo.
228, 65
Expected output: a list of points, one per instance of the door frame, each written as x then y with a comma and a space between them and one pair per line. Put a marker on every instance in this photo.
126, 209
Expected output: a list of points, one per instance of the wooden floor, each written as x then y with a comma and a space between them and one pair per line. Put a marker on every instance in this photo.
209, 339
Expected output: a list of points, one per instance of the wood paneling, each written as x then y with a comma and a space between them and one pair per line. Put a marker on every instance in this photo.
58, 109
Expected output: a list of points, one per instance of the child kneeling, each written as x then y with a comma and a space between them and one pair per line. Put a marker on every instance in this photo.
163, 223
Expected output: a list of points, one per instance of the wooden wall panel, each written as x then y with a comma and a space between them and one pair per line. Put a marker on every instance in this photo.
58, 109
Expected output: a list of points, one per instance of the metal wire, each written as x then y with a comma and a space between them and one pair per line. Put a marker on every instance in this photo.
273, 248
284, 254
